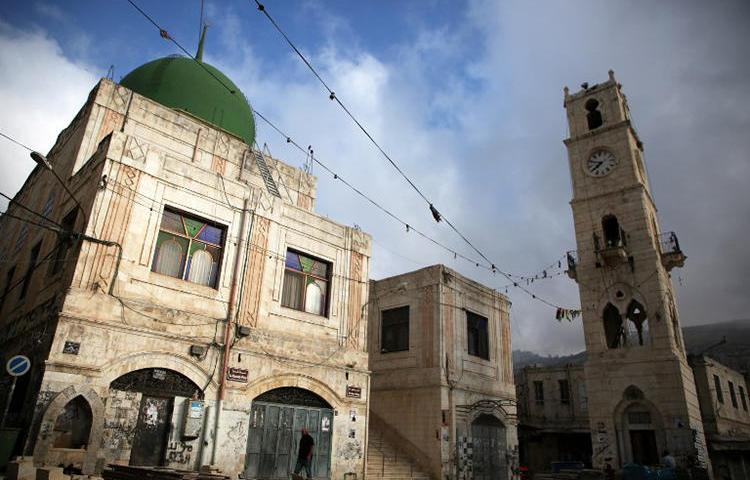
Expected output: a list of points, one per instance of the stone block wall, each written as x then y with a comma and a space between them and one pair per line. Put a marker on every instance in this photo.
131, 158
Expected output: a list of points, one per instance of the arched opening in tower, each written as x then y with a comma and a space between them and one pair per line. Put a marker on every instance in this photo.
613, 329
613, 233
594, 116
637, 323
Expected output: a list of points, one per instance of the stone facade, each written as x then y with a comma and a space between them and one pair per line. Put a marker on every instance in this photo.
553, 416
544, 427
641, 393
725, 408
94, 313
442, 382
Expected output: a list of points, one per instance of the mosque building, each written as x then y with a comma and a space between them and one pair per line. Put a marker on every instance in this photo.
184, 305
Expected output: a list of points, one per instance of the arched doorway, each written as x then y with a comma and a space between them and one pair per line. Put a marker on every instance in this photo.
276, 420
488, 452
73, 425
158, 388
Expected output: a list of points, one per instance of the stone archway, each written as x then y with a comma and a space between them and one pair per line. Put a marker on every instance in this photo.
55, 409
144, 409
493, 453
169, 361
314, 385
277, 419
640, 428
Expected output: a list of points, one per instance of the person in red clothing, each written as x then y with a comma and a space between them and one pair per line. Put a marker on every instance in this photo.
304, 454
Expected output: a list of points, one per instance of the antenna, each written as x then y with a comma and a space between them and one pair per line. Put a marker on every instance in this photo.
308, 165
200, 24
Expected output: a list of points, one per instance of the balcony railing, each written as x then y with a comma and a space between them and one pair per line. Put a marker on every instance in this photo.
613, 252
572, 257
671, 253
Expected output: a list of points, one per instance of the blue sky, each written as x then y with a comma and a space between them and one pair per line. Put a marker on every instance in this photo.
466, 97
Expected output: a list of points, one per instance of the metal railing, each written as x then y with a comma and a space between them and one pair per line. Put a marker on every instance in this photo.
669, 243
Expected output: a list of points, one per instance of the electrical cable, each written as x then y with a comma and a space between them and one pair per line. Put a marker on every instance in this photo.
435, 213
492, 267
29, 272
12, 201
15, 141
164, 34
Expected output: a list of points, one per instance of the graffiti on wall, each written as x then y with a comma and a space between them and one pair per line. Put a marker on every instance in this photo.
238, 431
179, 452
120, 422
350, 450
603, 449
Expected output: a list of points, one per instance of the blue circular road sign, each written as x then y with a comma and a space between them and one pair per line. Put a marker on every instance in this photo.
18, 365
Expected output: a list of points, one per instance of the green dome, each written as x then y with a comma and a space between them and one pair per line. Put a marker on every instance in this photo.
181, 83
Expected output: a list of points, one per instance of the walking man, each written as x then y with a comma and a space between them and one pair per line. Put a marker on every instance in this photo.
304, 454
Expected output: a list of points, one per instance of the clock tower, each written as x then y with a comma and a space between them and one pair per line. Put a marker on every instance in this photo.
641, 394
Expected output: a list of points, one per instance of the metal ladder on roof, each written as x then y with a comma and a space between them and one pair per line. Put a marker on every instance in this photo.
265, 173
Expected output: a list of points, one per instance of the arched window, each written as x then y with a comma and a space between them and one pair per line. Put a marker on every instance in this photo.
169, 258
73, 425
201, 265
594, 116
633, 393
637, 324
613, 331
613, 234
314, 298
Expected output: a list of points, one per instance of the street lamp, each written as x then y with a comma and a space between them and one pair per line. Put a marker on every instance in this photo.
42, 161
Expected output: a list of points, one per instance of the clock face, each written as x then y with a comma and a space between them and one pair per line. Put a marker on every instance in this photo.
601, 163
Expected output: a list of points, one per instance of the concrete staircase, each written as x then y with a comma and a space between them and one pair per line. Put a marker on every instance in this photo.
386, 462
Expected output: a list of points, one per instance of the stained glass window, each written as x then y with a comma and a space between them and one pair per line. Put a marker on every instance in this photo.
189, 248
306, 283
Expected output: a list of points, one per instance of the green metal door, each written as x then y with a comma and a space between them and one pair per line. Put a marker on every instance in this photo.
274, 435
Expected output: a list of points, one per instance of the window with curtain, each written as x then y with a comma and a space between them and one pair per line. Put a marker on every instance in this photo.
306, 282
189, 248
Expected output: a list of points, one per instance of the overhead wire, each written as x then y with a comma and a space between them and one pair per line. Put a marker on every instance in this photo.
15, 141
434, 211
46, 258
436, 214
164, 34
12, 201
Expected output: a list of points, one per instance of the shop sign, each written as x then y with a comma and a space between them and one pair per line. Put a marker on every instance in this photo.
353, 392
237, 374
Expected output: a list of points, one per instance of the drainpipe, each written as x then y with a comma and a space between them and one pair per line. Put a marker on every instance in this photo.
231, 318
367, 425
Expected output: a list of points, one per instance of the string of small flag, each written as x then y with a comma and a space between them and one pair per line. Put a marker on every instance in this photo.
567, 314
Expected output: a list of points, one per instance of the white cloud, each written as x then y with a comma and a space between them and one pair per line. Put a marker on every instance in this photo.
474, 115
40, 92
